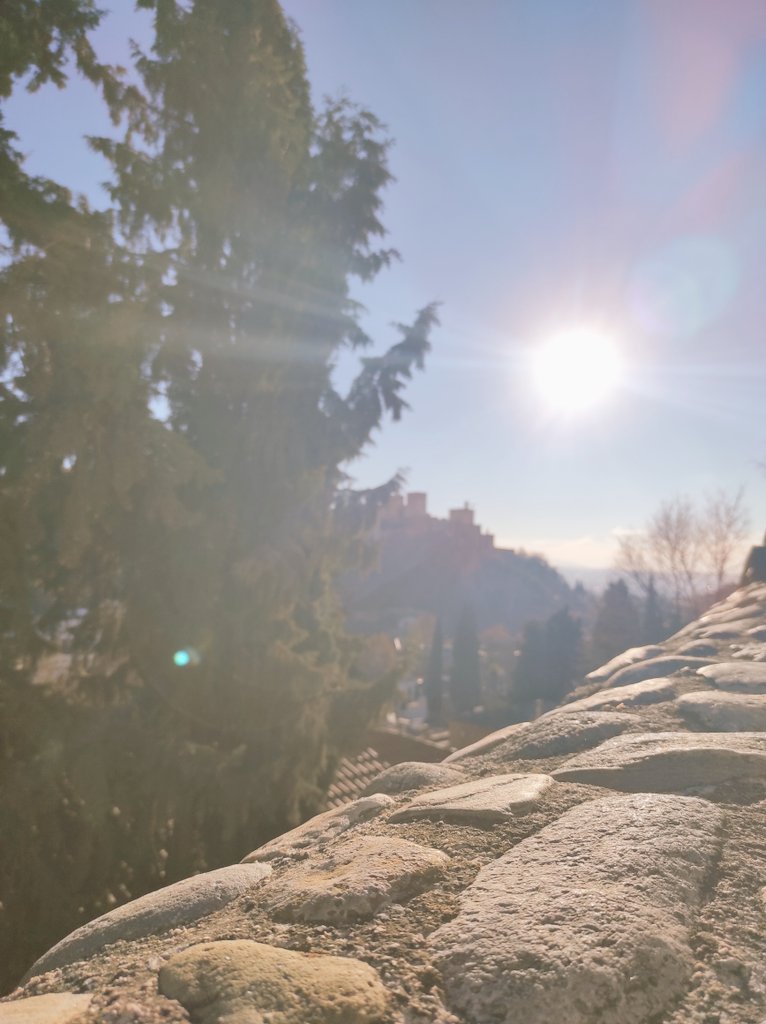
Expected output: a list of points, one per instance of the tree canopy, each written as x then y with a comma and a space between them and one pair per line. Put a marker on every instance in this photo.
618, 623
549, 660
175, 681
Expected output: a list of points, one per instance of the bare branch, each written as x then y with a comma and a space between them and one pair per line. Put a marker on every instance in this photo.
724, 525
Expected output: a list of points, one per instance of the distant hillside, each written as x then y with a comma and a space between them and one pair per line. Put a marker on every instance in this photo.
436, 565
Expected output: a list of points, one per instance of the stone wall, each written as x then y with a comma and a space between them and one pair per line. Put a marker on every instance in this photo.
604, 863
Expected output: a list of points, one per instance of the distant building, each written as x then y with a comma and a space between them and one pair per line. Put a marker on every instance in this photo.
408, 516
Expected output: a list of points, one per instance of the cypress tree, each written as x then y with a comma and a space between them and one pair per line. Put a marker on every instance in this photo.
618, 623
653, 628
549, 660
529, 670
434, 678
175, 508
563, 655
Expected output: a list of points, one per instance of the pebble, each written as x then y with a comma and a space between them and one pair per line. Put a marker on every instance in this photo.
629, 657
565, 732
481, 802
413, 775
54, 1008
486, 743
668, 762
354, 880
243, 982
736, 675
322, 828
175, 905
654, 668
648, 691
722, 711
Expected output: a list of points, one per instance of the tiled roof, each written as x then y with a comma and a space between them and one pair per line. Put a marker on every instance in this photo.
353, 776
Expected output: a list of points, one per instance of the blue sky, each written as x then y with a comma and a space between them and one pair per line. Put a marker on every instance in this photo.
558, 163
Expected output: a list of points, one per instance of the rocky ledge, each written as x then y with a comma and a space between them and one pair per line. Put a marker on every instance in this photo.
604, 863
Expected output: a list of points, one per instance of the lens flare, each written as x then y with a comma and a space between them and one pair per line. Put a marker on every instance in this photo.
683, 288
186, 656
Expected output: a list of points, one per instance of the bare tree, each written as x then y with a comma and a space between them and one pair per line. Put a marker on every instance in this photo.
675, 547
633, 559
683, 547
724, 527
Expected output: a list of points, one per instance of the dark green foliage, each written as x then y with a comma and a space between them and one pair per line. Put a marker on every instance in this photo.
653, 627
38, 36
37, 40
216, 525
549, 660
465, 677
618, 624
434, 677
529, 673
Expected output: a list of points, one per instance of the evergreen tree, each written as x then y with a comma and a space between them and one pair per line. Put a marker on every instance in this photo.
653, 628
563, 651
618, 624
465, 678
175, 508
40, 40
434, 678
529, 671
549, 660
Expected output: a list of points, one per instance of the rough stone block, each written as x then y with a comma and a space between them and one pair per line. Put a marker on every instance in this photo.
482, 802
177, 904
586, 921
244, 982
354, 880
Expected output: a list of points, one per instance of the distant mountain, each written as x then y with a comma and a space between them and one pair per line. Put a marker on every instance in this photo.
591, 577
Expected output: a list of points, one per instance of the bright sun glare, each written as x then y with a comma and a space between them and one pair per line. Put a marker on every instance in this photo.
576, 370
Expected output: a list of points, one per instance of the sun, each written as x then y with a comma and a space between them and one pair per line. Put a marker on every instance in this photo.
577, 370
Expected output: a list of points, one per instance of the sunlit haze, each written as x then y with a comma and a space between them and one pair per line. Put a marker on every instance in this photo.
574, 164
576, 371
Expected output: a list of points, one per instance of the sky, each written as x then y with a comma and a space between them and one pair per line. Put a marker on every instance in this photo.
561, 165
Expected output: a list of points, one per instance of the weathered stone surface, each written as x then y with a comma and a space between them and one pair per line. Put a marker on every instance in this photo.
720, 633
698, 649
244, 982
629, 657
654, 668
486, 743
752, 594
54, 1008
482, 802
354, 880
321, 828
668, 762
736, 615
177, 904
722, 711
750, 652
586, 921
593, 931
414, 775
736, 675
558, 733
650, 691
